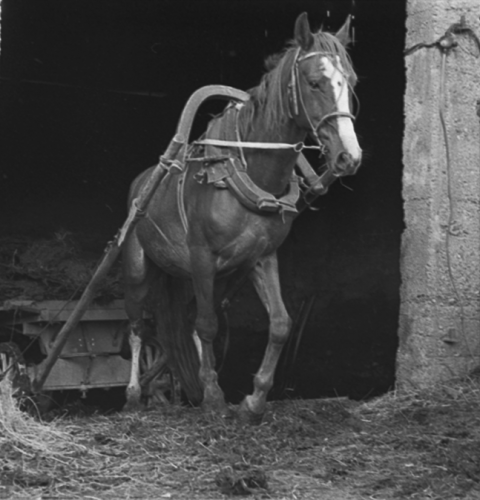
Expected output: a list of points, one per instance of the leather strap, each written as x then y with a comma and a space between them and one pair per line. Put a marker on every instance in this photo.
299, 146
257, 199
230, 172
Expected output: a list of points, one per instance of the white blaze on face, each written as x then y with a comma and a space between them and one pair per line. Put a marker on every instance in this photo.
334, 72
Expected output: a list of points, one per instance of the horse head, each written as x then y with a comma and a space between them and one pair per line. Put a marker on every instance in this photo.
321, 83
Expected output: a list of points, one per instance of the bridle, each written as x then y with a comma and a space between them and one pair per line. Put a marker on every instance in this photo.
296, 96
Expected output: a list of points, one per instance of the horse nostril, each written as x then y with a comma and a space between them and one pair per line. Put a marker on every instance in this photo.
345, 159
346, 164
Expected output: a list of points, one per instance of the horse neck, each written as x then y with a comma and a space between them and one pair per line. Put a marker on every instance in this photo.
271, 169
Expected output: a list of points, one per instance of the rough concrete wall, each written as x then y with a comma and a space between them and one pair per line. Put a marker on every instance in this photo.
439, 328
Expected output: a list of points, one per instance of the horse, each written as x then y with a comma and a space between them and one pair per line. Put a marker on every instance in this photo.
199, 227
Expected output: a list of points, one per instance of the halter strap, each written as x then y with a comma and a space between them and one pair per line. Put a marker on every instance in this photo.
297, 95
335, 114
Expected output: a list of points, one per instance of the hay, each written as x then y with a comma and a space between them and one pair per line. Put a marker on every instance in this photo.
51, 268
425, 443
422, 444
24, 443
27, 435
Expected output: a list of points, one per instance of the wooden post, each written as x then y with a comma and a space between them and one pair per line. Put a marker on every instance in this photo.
439, 329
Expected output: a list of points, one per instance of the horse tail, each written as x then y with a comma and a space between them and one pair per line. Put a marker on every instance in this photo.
172, 306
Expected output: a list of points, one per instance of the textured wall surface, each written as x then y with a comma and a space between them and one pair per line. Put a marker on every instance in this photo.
439, 329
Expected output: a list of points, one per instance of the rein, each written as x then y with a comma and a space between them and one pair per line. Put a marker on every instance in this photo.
298, 147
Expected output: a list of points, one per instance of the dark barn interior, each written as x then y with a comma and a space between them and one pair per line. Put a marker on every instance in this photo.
91, 92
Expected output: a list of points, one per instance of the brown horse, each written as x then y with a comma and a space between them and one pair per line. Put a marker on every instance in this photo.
201, 226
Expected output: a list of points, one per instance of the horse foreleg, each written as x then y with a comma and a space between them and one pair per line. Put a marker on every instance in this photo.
133, 392
138, 273
206, 327
266, 281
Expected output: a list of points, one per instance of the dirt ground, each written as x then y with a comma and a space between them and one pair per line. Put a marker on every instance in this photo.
413, 446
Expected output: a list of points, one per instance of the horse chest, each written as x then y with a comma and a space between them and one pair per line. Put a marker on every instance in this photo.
255, 241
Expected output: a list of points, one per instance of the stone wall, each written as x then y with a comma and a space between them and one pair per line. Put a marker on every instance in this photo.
439, 328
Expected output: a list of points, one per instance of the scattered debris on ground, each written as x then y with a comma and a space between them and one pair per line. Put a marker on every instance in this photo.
423, 445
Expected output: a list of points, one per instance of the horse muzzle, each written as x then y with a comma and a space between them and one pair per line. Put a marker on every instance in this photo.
345, 164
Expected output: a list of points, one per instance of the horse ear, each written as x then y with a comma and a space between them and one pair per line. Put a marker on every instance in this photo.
343, 34
303, 35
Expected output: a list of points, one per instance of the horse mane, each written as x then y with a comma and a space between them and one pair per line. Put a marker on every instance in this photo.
271, 96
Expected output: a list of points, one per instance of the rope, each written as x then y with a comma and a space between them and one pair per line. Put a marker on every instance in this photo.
451, 207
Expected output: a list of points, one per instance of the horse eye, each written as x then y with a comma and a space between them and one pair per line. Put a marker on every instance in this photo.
314, 84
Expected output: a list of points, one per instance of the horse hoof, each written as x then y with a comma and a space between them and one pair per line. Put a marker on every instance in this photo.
247, 416
218, 408
133, 401
132, 406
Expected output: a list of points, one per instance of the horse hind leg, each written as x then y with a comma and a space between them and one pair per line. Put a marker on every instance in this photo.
266, 281
206, 327
138, 272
